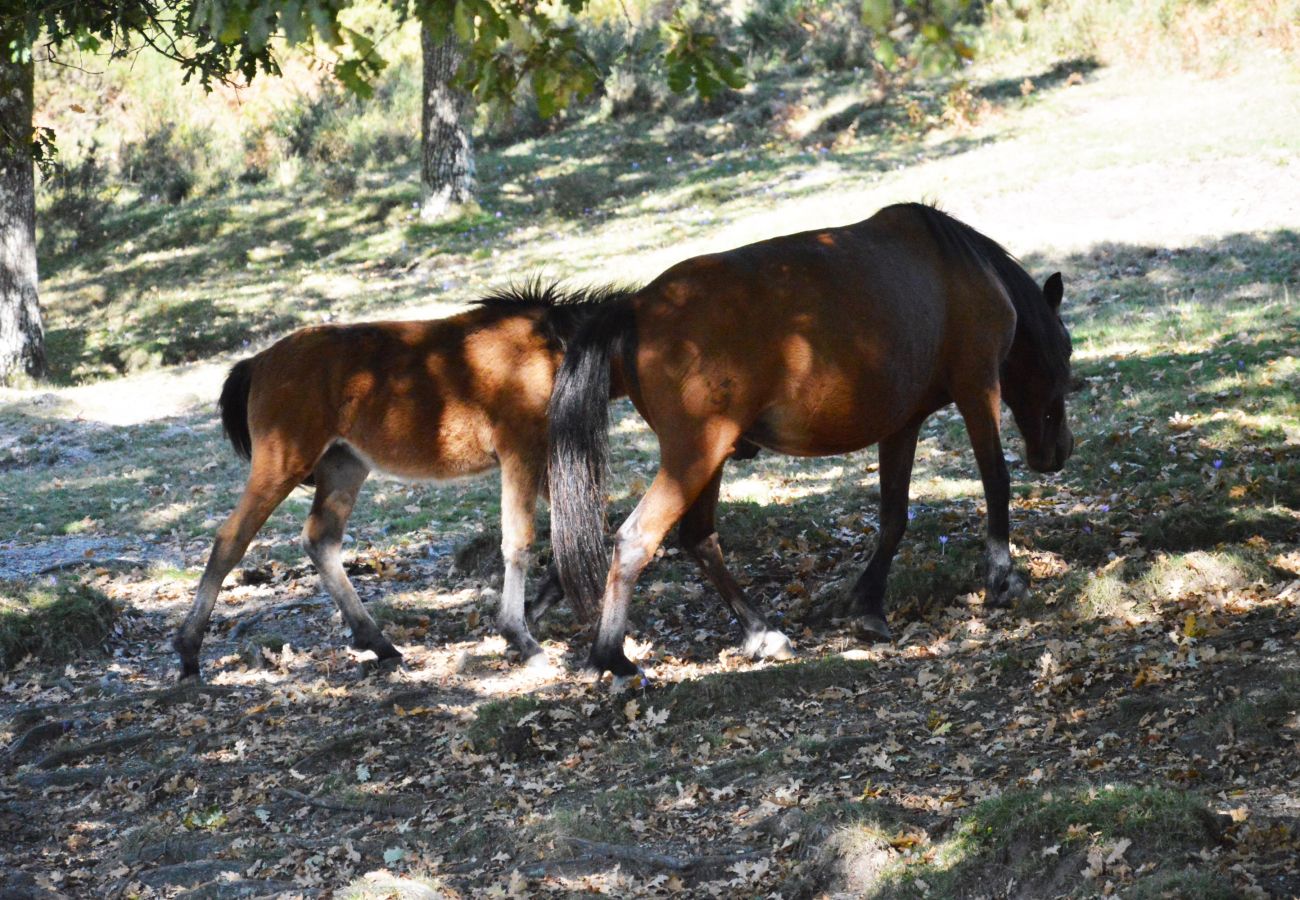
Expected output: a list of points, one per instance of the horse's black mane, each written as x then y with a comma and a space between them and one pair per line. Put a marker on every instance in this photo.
566, 308
1032, 312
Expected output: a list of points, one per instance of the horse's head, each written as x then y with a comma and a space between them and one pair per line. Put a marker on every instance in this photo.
1037, 377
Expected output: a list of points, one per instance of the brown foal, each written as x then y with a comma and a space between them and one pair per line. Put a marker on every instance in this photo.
418, 400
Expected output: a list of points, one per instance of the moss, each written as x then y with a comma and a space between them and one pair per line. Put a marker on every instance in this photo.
53, 621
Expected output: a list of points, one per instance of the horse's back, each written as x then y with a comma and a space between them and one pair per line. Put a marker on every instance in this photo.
817, 342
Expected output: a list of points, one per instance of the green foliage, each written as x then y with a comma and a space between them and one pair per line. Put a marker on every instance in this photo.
78, 198
696, 57
53, 620
830, 34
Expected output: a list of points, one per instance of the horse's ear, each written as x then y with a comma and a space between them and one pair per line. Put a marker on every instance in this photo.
1054, 290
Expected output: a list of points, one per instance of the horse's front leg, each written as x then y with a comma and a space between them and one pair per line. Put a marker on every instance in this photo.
1003, 584
867, 596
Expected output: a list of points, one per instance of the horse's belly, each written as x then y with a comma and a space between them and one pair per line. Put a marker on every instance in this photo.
826, 422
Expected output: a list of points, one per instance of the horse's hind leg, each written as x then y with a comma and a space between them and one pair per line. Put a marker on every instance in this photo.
339, 476
699, 537
268, 484
519, 485
867, 597
549, 594
688, 462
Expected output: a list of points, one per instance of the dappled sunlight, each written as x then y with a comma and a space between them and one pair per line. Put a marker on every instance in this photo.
1154, 646
163, 517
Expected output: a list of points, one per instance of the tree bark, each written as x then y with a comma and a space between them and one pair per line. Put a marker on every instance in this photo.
447, 156
22, 340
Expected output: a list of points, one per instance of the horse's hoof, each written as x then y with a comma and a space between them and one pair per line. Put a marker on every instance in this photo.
384, 665
1012, 590
633, 682
770, 644
871, 627
538, 662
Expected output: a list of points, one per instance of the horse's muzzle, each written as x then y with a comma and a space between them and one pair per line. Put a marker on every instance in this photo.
1055, 459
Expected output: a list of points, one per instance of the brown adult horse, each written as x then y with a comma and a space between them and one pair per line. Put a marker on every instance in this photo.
811, 344
418, 400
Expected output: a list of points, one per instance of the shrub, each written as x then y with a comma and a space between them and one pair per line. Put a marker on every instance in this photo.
167, 162
77, 200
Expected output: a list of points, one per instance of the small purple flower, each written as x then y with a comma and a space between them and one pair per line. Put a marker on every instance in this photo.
1241, 364
1105, 507
1218, 464
911, 514
1087, 529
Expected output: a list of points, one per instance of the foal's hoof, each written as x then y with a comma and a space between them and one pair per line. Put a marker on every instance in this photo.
770, 644
1013, 589
871, 627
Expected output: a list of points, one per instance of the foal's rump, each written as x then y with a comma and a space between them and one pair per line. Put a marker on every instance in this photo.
418, 400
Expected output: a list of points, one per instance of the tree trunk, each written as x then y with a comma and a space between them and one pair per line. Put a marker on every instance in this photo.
447, 157
22, 340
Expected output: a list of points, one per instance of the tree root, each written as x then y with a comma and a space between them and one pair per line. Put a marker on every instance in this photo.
376, 806
344, 743
180, 693
64, 755
597, 851
247, 623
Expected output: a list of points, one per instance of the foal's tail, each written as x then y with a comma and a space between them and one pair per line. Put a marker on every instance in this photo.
234, 407
579, 450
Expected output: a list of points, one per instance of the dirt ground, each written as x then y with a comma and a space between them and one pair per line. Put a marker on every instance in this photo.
297, 770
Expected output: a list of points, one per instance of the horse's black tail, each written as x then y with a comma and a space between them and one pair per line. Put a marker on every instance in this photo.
579, 450
234, 407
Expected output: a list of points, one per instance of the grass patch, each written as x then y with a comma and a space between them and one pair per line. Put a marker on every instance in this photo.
604, 817
491, 720
735, 692
53, 621
1043, 841
1263, 711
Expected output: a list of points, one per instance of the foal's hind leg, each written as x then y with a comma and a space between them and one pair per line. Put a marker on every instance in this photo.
268, 484
699, 537
519, 485
867, 597
339, 476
